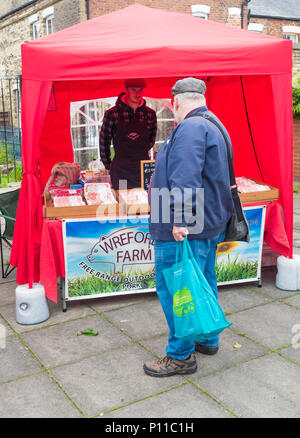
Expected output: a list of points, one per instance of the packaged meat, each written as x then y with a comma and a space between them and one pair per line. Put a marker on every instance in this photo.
99, 193
64, 191
247, 185
134, 196
68, 201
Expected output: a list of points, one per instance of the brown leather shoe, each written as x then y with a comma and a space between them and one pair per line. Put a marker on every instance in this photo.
169, 366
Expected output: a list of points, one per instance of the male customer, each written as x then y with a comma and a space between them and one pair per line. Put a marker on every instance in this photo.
131, 126
194, 156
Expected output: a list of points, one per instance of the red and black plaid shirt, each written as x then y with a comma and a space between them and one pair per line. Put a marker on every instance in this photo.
109, 125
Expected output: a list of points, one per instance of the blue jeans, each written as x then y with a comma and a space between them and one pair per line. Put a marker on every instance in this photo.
165, 256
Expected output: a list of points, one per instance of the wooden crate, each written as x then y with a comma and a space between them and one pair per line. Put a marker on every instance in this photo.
131, 209
266, 195
52, 212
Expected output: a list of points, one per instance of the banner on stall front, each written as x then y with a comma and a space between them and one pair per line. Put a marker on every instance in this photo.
116, 256
238, 262
107, 257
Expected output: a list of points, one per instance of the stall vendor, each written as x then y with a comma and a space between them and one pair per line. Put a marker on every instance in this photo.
131, 126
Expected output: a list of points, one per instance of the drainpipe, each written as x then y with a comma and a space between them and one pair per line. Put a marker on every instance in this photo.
87, 8
245, 3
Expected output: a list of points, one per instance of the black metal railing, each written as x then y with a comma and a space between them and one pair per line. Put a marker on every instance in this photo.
10, 130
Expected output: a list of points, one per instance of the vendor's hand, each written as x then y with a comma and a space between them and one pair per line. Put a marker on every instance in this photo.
179, 233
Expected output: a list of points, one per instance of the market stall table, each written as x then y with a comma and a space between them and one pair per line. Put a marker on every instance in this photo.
53, 257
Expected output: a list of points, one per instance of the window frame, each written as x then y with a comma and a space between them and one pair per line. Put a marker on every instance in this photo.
49, 19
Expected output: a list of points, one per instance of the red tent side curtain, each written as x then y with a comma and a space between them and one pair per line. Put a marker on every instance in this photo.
257, 112
27, 234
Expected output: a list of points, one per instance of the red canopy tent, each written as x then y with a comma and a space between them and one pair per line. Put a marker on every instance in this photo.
248, 87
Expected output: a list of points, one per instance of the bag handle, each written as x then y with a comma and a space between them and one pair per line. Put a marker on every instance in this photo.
182, 251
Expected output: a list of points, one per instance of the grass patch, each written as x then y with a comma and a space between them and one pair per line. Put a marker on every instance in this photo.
229, 270
92, 285
4, 182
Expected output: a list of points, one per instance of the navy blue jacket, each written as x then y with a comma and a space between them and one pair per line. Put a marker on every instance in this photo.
194, 156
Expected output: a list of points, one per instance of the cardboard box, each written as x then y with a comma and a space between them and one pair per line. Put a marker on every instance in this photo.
265, 195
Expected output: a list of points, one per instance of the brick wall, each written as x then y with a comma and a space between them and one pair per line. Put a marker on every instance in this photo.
218, 9
66, 14
296, 59
274, 26
296, 150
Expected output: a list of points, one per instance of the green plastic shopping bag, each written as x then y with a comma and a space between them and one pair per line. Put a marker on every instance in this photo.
196, 311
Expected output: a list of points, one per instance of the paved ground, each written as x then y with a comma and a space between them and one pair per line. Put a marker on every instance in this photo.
46, 370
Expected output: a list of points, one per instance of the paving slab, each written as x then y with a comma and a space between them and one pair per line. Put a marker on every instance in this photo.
292, 352
234, 298
60, 343
104, 304
36, 396
294, 300
270, 324
8, 292
5, 329
186, 401
16, 360
111, 380
261, 388
296, 223
151, 319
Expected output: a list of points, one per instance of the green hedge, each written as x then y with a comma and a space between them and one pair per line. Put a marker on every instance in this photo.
296, 96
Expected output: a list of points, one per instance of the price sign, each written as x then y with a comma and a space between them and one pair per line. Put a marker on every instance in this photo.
147, 170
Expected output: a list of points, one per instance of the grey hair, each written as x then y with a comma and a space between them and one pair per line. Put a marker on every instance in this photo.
186, 99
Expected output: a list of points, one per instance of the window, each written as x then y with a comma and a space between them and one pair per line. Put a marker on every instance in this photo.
291, 33
291, 36
35, 27
35, 30
86, 121
49, 25
17, 94
201, 11
48, 16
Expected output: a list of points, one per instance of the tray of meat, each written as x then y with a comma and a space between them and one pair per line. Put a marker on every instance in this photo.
247, 185
252, 191
98, 194
133, 201
68, 201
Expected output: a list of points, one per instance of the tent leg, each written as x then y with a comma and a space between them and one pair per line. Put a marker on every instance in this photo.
64, 307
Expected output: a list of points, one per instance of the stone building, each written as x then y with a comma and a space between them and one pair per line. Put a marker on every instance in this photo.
25, 21
279, 18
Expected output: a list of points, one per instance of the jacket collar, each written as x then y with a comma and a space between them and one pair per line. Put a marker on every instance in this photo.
122, 100
200, 109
